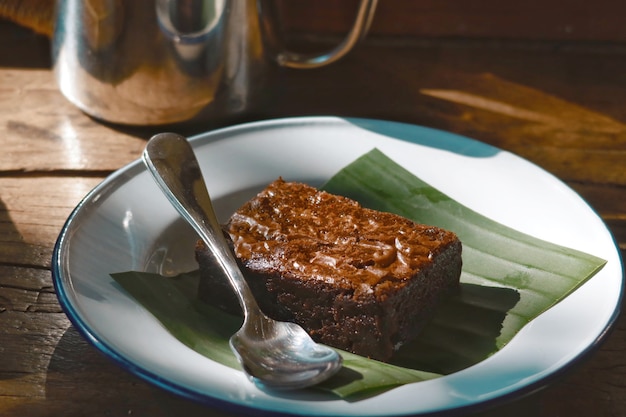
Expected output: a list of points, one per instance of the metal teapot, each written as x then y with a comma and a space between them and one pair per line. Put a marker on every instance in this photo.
151, 62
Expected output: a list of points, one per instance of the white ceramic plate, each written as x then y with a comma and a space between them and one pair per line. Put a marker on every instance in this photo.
127, 224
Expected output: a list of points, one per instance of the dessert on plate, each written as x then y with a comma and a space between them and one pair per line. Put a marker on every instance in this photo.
356, 279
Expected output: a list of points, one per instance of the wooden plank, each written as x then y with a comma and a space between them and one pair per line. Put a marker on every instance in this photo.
32, 213
33, 53
35, 14
487, 19
44, 131
48, 368
559, 106
558, 117
610, 203
601, 20
547, 117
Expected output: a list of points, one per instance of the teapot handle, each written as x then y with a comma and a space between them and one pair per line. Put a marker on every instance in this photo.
359, 29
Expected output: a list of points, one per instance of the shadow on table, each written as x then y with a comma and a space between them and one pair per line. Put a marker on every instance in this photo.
82, 381
22, 48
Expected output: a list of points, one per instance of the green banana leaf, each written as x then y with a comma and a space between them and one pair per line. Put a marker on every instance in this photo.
206, 329
508, 279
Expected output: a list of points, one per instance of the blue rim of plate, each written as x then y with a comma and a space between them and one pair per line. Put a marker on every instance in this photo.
135, 167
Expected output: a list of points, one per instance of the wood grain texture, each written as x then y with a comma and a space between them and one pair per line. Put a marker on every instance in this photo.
37, 15
556, 20
560, 106
561, 20
32, 212
43, 131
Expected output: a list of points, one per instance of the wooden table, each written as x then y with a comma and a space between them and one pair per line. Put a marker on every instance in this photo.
560, 105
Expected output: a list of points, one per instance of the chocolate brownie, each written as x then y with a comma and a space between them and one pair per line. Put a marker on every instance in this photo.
357, 279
